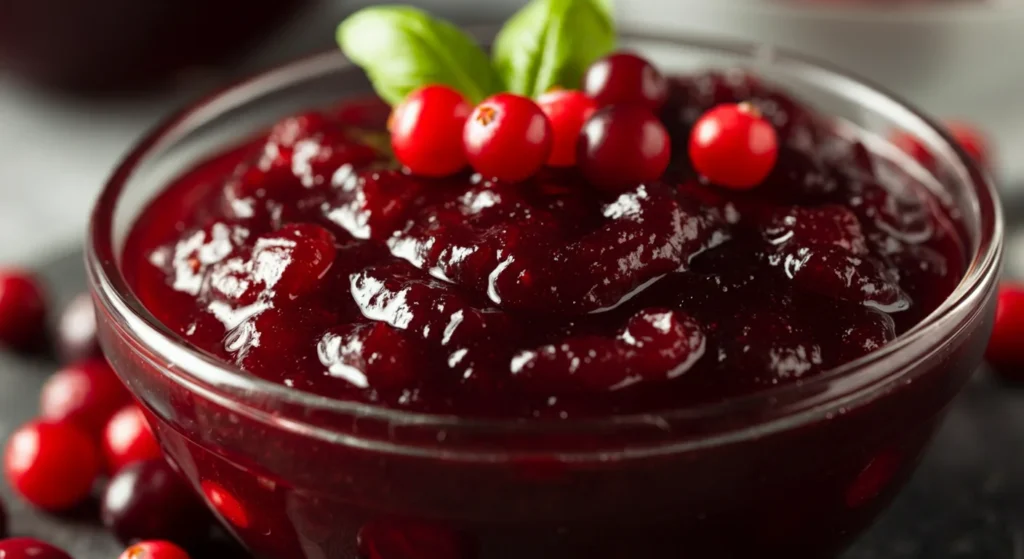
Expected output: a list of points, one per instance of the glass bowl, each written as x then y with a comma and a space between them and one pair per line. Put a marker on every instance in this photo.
796, 471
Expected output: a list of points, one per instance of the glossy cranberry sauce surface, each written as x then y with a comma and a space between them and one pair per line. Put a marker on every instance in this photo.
306, 257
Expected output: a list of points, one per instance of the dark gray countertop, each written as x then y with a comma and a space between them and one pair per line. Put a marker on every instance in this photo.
965, 502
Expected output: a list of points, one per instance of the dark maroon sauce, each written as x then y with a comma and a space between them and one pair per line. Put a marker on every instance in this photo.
307, 258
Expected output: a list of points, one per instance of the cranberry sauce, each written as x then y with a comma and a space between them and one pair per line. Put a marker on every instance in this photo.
308, 259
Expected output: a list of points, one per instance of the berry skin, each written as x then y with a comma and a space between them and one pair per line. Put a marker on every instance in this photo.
733, 146
623, 78
86, 394
76, 332
622, 146
51, 465
971, 140
29, 548
22, 310
154, 549
149, 500
426, 131
567, 111
507, 137
128, 438
1004, 352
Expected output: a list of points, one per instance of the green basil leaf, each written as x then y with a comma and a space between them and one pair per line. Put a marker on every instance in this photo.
551, 43
403, 48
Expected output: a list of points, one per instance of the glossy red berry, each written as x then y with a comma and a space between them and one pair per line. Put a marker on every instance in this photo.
733, 146
30, 548
154, 549
76, 331
225, 503
567, 111
426, 131
1005, 353
128, 438
622, 146
972, 140
507, 137
51, 465
626, 78
150, 500
86, 394
22, 310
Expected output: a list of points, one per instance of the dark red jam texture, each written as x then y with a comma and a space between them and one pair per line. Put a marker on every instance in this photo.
307, 259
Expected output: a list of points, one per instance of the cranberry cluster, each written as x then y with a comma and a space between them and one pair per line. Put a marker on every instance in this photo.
610, 130
87, 429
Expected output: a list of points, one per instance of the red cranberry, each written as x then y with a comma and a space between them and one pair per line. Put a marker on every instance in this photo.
155, 549
624, 77
971, 140
29, 548
86, 394
734, 146
1005, 353
150, 500
225, 503
567, 111
128, 438
507, 137
76, 332
22, 310
426, 131
51, 465
622, 146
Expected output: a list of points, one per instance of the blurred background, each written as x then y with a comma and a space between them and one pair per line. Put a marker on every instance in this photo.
80, 81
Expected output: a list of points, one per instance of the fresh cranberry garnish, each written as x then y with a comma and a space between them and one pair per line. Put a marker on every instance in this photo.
407, 539
30, 548
225, 503
154, 550
51, 465
507, 137
22, 310
972, 140
625, 78
734, 146
567, 111
1005, 354
149, 500
76, 332
86, 394
128, 438
622, 146
426, 131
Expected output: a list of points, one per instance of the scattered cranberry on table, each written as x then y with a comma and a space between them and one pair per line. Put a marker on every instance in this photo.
426, 131
86, 394
128, 438
22, 310
972, 140
155, 549
625, 78
732, 145
567, 111
150, 500
51, 465
622, 146
30, 548
1005, 351
76, 331
507, 137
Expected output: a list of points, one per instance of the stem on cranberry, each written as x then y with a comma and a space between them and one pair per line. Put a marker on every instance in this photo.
507, 137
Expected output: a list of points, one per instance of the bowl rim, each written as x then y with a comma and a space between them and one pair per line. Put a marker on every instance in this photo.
820, 396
